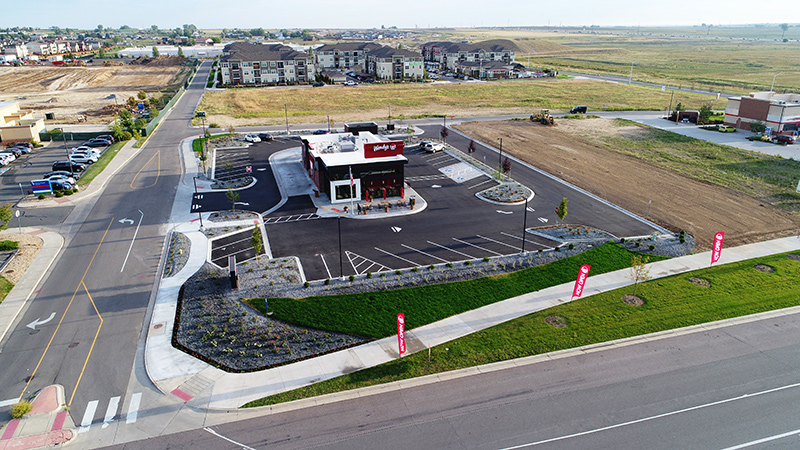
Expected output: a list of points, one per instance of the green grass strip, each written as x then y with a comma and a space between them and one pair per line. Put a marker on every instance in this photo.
97, 168
735, 290
197, 144
5, 288
373, 314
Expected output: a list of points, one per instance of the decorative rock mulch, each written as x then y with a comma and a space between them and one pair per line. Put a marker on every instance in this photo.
632, 300
556, 321
793, 256
764, 268
700, 282
177, 255
235, 183
225, 216
507, 192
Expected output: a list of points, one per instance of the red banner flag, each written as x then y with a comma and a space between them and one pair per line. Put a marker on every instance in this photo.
401, 332
717, 250
581, 281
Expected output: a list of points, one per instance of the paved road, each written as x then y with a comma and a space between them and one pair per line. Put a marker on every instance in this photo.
100, 286
710, 389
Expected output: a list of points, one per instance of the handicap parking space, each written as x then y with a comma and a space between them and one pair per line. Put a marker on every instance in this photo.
237, 244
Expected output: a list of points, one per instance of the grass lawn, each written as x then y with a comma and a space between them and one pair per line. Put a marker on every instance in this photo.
437, 100
769, 178
95, 169
735, 289
372, 314
5, 288
197, 144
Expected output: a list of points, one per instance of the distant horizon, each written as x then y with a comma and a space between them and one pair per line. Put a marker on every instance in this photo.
414, 14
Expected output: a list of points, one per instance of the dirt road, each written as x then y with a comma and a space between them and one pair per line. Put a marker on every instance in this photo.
678, 202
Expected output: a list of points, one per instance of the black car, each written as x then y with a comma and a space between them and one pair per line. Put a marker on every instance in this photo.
318, 84
578, 110
15, 150
68, 166
320, 132
265, 137
23, 144
96, 143
107, 137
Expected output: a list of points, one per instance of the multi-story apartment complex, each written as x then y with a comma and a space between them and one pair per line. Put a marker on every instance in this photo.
344, 55
377, 60
449, 54
254, 64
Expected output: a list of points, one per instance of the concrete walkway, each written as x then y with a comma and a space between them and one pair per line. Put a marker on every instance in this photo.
205, 387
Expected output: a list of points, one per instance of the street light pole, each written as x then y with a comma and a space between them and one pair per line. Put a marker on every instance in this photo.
199, 214
500, 160
630, 77
524, 225
286, 115
341, 267
773, 80
64, 136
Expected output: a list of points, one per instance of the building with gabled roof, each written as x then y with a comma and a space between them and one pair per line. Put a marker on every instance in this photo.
253, 64
389, 63
447, 54
344, 55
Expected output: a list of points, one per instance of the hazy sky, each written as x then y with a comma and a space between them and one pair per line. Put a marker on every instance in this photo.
270, 14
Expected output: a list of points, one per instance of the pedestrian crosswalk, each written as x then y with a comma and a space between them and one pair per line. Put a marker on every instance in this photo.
112, 411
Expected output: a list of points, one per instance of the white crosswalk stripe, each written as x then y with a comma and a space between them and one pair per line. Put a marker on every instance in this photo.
133, 408
88, 416
111, 411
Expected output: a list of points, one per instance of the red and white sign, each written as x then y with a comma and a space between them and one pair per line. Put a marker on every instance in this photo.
383, 149
581, 281
717, 250
248, 169
401, 332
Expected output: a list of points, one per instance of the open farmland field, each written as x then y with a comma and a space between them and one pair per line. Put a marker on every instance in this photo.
731, 59
694, 185
241, 107
73, 91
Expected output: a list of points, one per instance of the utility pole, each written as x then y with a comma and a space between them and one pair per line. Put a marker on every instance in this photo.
524, 225
500, 160
630, 77
286, 114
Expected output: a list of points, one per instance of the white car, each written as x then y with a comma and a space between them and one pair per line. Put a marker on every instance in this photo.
350, 83
6, 158
81, 148
90, 152
83, 158
252, 138
433, 147
63, 179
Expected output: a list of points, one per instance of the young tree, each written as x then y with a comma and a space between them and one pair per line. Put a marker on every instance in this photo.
507, 166
180, 52
5, 215
126, 119
141, 95
758, 127
232, 197
784, 27
444, 133
255, 241
471, 148
155, 52
561, 210
704, 115
639, 271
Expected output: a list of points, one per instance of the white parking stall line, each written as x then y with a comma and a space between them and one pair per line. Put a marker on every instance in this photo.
478, 246
373, 264
350, 259
133, 408
440, 157
519, 238
497, 242
439, 163
426, 254
481, 183
225, 258
398, 257
454, 251
111, 411
326, 266
365, 260
88, 416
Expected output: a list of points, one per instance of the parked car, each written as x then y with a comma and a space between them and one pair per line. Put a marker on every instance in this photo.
60, 185
22, 148
265, 137
107, 137
81, 148
62, 178
57, 173
95, 144
318, 84
578, 110
6, 158
15, 150
350, 83
92, 153
83, 158
433, 147
320, 132
725, 129
23, 144
69, 166
783, 139
252, 138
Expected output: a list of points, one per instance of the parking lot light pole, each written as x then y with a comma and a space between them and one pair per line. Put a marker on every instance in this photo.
524, 224
773, 81
500, 160
64, 136
286, 115
341, 267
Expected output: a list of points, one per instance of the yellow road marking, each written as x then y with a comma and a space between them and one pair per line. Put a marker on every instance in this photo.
97, 333
66, 310
158, 171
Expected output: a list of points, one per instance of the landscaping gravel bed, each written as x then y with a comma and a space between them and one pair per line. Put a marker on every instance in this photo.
177, 254
211, 314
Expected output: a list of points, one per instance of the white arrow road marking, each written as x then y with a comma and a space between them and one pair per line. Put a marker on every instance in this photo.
542, 219
88, 415
396, 229
111, 411
262, 169
33, 324
228, 439
436, 186
133, 408
505, 212
530, 209
126, 221
132, 240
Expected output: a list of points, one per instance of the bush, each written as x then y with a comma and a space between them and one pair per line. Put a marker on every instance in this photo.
59, 194
351, 278
127, 136
67, 191
369, 274
327, 281
214, 125
40, 196
306, 284
558, 249
20, 408
8, 245
571, 245
485, 259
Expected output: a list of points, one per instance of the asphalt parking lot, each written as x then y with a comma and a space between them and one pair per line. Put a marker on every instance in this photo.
237, 244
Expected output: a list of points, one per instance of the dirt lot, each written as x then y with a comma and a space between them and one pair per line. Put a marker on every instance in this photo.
73, 91
679, 202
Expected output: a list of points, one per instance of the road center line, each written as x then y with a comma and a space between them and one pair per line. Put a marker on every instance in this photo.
132, 241
659, 416
761, 441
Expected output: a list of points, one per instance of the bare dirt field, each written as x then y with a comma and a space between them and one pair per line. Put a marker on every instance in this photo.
679, 202
73, 91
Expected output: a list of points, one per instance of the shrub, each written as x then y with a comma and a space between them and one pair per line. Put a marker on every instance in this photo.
682, 240
40, 196
431, 267
59, 194
651, 247
306, 284
466, 263
636, 243
351, 277
415, 269
214, 125
8, 245
449, 264
327, 281
558, 249
398, 272
67, 191
369, 274
571, 245
20, 408
622, 240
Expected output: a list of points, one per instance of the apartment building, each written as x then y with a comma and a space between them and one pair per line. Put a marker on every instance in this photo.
449, 54
344, 55
254, 64
389, 63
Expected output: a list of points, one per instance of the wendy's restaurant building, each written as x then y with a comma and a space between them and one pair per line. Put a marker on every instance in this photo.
354, 167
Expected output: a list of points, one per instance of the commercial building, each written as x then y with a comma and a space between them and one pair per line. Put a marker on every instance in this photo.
448, 54
348, 167
780, 112
18, 125
254, 64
